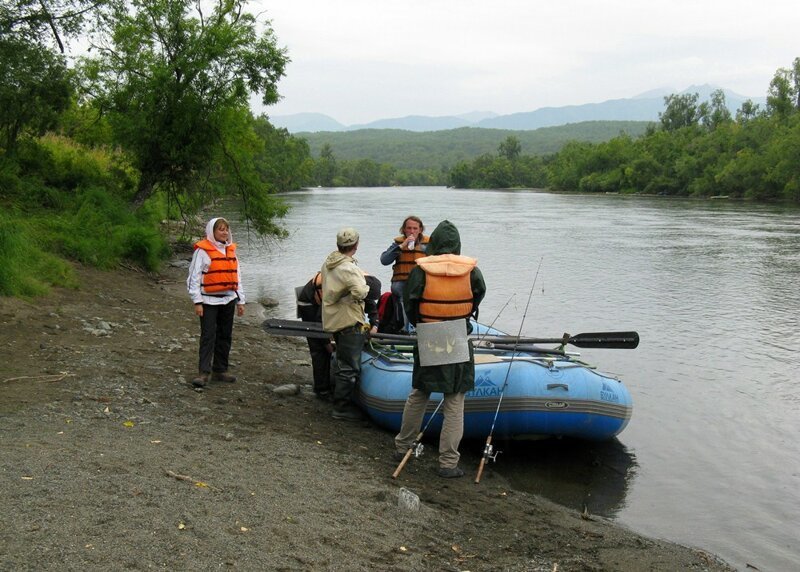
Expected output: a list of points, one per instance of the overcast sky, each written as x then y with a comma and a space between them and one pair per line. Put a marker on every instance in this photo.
362, 60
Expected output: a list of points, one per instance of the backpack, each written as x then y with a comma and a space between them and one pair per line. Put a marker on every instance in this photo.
390, 319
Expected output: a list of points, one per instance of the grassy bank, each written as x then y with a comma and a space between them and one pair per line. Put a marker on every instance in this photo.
65, 202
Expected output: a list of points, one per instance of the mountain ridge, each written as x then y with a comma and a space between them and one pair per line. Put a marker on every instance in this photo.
642, 107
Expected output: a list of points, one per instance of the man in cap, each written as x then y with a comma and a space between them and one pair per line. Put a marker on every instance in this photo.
344, 289
309, 309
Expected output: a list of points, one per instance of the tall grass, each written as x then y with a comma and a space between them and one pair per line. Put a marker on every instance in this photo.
61, 201
100, 230
27, 269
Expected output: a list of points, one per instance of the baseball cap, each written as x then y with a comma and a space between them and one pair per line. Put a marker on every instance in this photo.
346, 237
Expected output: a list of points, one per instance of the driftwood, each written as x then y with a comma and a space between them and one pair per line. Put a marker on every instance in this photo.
47, 377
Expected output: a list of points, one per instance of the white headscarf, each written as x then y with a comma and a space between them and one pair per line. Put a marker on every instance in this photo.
210, 233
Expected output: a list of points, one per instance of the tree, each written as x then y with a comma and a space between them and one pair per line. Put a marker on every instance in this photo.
717, 111
781, 96
747, 112
325, 166
175, 82
680, 110
36, 85
285, 160
51, 23
460, 175
510, 148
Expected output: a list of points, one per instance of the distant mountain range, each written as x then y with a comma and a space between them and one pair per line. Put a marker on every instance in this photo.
643, 107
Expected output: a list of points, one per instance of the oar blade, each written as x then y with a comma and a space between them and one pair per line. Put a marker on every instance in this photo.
608, 340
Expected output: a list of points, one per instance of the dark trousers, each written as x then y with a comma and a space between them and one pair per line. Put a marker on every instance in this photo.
320, 363
349, 343
319, 348
216, 334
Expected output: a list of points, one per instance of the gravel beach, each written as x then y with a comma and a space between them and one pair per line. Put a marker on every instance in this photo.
112, 461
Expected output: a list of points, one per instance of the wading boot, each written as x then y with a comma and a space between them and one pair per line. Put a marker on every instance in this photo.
349, 413
452, 473
201, 380
222, 376
324, 396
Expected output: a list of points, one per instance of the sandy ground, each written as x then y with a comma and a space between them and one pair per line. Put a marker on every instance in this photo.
111, 461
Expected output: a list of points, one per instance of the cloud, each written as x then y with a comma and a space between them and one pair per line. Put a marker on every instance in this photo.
360, 60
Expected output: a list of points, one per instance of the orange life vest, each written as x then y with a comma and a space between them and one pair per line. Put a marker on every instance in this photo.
222, 274
317, 288
407, 259
448, 290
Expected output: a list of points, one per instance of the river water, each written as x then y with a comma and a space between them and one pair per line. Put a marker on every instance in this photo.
711, 457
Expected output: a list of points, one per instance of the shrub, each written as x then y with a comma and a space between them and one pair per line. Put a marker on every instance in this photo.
102, 231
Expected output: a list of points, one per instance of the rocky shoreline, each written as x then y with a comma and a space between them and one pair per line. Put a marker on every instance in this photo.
111, 461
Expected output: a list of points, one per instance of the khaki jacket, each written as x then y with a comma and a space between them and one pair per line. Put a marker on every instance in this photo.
343, 291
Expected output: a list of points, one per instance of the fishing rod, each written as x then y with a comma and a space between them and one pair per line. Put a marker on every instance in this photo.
416, 445
488, 449
482, 338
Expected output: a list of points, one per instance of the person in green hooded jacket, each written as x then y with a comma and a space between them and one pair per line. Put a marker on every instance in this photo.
443, 286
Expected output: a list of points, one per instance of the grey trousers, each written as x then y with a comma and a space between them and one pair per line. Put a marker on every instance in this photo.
452, 428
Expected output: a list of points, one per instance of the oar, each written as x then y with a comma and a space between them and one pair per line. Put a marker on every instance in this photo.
294, 328
277, 325
607, 340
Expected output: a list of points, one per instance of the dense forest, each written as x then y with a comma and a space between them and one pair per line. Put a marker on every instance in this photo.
153, 125
445, 148
391, 157
697, 149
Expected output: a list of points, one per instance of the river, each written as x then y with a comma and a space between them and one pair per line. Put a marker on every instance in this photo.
711, 457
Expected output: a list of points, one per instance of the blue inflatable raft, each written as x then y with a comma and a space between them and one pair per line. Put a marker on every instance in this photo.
549, 392
546, 396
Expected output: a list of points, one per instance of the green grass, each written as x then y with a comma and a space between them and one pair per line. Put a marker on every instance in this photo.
28, 270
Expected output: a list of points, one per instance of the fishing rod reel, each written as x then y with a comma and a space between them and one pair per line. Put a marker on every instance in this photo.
416, 449
490, 453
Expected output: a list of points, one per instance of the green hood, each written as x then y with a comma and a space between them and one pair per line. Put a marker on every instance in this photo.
444, 240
